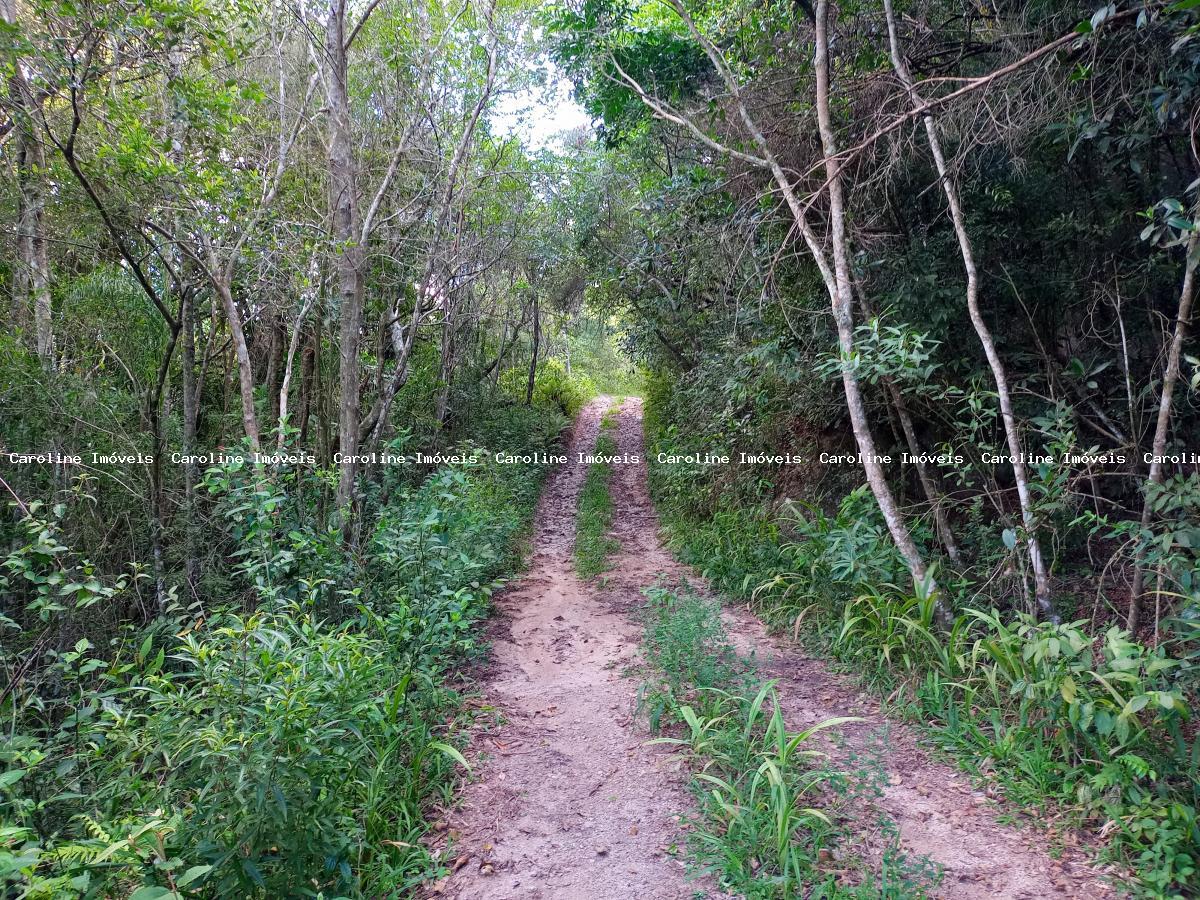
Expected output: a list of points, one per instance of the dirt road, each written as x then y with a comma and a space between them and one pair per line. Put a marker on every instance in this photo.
570, 802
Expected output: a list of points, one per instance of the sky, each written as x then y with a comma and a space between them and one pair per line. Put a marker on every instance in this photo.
540, 115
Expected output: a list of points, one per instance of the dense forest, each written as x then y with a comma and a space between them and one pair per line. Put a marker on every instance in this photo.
327, 481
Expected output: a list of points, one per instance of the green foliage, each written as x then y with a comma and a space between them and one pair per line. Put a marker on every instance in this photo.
276, 752
643, 45
753, 779
1100, 724
594, 352
553, 388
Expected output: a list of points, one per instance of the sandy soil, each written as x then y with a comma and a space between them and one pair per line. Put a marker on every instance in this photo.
569, 800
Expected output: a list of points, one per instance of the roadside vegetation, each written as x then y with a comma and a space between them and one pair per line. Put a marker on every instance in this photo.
1091, 721
909, 288
914, 286
285, 740
771, 808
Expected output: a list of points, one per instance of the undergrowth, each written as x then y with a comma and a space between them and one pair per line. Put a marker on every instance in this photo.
1095, 725
287, 744
770, 810
754, 781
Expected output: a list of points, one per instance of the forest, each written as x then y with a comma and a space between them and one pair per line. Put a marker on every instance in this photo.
599, 449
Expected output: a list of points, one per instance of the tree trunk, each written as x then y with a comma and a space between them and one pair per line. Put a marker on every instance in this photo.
343, 201
1187, 294
32, 272
245, 368
1012, 433
446, 365
191, 417
310, 296
308, 360
273, 373
533, 359
842, 299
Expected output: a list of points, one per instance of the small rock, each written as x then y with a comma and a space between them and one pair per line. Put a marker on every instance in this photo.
602, 851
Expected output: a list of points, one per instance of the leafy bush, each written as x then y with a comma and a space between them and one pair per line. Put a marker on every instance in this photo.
285, 746
553, 388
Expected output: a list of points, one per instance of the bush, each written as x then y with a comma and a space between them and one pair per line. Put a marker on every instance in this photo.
553, 388
281, 751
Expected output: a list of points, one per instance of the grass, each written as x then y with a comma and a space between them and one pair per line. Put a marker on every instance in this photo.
769, 817
593, 543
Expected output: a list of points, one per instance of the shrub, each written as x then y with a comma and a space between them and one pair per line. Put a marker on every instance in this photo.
553, 388
285, 746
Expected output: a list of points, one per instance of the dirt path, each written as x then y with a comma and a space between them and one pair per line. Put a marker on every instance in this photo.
938, 813
569, 800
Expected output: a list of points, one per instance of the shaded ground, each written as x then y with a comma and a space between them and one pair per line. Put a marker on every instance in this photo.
570, 802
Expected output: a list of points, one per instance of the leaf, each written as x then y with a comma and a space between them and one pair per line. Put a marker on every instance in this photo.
452, 753
153, 892
192, 874
12, 776
1067, 689
1009, 536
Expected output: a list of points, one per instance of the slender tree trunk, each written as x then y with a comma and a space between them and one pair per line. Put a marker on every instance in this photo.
191, 417
245, 368
533, 358
1187, 294
272, 375
842, 298
446, 364
376, 420
1012, 432
304, 400
928, 484
310, 296
32, 272
343, 200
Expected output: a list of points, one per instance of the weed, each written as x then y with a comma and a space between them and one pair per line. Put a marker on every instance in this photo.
758, 828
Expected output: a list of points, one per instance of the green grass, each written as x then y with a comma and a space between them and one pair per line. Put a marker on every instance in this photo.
767, 804
593, 544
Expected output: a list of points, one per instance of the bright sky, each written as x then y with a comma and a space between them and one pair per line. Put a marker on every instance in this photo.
539, 116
